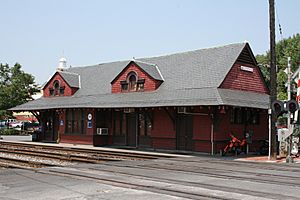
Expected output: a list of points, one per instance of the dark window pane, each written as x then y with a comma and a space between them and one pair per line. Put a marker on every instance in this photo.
142, 125
124, 126
62, 91
51, 91
124, 87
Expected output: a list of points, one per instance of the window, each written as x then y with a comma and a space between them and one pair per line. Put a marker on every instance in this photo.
75, 122
51, 92
124, 86
132, 81
56, 88
140, 85
145, 124
119, 124
62, 90
237, 116
243, 116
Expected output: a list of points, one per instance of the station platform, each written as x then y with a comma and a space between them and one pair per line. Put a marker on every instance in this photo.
168, 153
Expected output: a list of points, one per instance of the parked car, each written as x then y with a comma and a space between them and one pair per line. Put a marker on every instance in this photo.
8, 121
30, 126
15, 124
3, 124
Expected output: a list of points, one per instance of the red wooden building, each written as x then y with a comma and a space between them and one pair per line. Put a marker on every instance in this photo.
185, 101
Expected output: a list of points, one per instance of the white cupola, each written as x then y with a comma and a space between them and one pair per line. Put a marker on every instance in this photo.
62, 65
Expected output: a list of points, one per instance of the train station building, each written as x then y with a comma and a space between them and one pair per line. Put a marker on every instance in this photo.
187, 101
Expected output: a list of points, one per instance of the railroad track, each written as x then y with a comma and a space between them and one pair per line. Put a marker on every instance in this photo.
138, 186
98, 152
6, 162
224, 173
57, 156
186, 182
69, 154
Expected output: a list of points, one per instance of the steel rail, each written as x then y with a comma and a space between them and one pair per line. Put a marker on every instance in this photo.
133, 155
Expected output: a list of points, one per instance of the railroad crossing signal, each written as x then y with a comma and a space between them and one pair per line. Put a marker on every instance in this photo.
280, 107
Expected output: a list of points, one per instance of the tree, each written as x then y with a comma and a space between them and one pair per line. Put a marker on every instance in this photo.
285, 48
16, 87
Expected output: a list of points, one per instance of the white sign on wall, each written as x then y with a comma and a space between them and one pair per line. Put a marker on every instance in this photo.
247, 69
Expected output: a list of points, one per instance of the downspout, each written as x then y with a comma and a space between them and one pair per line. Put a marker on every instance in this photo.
212, 134
136, 129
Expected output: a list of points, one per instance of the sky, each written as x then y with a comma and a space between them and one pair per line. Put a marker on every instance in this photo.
37, 33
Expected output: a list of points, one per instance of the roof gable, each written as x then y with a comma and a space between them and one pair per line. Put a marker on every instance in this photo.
72, 79
256, 80
246, 56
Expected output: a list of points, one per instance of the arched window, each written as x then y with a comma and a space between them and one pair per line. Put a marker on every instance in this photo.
56, 87
132, 80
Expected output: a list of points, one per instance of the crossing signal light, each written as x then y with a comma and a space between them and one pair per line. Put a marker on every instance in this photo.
278, 107
292, 106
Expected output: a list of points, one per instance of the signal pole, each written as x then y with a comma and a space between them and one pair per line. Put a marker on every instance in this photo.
273, 78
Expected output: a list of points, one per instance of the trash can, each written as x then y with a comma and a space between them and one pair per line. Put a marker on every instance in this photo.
34, 136
100, 140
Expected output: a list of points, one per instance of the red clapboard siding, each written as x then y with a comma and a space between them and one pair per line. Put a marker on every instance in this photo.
77, 139
202, 127
238, 79
163, 131
163, 126
149, 85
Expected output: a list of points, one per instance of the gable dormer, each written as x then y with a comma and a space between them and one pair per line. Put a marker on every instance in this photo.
62, 83
137, 76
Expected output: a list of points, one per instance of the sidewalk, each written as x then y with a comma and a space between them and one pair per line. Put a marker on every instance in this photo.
265, 159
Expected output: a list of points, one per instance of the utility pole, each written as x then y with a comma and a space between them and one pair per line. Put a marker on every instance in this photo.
273, 78
289, 158
289, 88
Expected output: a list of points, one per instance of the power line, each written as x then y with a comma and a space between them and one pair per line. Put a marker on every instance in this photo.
279, 25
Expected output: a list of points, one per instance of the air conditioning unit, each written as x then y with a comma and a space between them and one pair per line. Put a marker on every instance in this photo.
181, 110
102, 131
128, 110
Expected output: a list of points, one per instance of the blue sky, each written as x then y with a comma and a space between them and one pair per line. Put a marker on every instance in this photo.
36, 33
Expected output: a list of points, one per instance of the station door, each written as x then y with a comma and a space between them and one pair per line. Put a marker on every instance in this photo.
184, 132
132, 129
50, 126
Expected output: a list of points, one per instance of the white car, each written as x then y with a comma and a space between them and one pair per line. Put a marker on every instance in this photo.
15, 124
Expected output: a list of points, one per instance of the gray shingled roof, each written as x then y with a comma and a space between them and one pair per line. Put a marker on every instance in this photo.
151, 69
183, 97
71, 78
190, 78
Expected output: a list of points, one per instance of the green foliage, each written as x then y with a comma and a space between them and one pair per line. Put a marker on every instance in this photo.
16, 87
285, 48
10, 131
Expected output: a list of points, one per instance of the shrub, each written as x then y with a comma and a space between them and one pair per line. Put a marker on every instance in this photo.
12, 132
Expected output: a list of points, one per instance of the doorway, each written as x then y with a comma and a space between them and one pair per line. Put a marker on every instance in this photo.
184, 132
132, 129
50, 126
